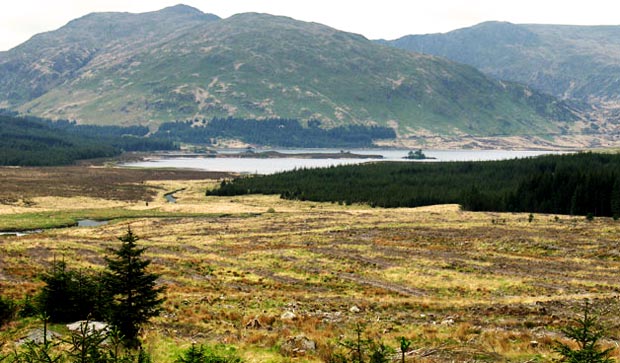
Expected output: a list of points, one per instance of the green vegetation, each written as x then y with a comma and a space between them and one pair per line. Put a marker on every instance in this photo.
575, 184
562, 60
24, 142
81, 294
55, 219
85, 345
293, 285
36, 142
273, 132
125, 294
209, 354
586, 332
7, 310
416, 155
360, 350
257, 66
132, 290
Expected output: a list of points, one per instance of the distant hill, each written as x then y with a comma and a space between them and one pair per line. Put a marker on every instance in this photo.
178, 64
570, 62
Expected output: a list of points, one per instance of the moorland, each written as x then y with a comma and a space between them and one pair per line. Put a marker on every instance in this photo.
467, 262
256, 271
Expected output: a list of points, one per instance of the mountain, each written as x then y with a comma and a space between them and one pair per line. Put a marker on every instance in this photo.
178, 63
49, 60
578, 62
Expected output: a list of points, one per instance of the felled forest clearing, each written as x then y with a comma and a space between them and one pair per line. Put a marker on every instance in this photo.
258, 271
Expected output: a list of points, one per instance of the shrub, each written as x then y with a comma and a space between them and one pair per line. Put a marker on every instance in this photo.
404, 347
360, 350
27, 308
79, 293
7, 310
45, 351
586, 332
209, 354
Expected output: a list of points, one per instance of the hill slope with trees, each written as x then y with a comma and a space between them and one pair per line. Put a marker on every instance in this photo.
38, 142
576, 184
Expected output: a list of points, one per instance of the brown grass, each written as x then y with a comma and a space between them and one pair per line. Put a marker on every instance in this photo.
19, 185
461, 285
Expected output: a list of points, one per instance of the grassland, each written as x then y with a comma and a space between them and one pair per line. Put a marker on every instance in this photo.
463, 286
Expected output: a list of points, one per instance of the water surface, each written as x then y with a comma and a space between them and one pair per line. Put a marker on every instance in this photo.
91, 223
270, 166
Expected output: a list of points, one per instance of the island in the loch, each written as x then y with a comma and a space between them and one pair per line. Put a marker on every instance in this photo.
417, 155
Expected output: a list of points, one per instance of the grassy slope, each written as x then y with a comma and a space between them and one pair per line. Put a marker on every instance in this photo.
465, 286
567, 61
49, 59
257, 65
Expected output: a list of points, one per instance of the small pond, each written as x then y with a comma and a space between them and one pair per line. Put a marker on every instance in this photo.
91, 223
20, 233
80, 223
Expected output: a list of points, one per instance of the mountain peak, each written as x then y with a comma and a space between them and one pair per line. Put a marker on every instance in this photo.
172, 64
181, 9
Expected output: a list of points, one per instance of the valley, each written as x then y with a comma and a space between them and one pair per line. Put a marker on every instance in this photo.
229, 146
257, 271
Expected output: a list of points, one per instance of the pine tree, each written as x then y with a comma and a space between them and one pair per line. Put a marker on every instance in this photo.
135, 294
615, 199
586, 333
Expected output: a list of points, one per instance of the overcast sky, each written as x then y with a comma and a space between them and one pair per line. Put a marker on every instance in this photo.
388, 19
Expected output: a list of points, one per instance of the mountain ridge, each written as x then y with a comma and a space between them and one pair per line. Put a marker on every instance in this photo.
569, 61
120, 68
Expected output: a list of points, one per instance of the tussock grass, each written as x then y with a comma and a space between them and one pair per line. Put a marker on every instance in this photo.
461, 285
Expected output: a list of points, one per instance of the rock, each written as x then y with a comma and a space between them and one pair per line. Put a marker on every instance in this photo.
448, 322
36, 336
93, 326
354, 309
297, 346
288, 315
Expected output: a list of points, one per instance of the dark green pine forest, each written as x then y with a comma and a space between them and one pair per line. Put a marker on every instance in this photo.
576, 184
273, 132
37, 142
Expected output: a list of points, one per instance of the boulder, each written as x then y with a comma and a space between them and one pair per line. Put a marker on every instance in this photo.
354, 309
88, 326
288, 315
36, 336
297, 346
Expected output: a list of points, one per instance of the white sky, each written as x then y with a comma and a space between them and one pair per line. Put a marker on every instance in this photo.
388, 19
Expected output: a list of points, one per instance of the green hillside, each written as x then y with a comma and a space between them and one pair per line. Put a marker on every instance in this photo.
181, 64
38, 142
580, 62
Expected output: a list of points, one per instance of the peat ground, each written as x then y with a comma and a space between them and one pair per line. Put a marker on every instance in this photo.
463, 286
